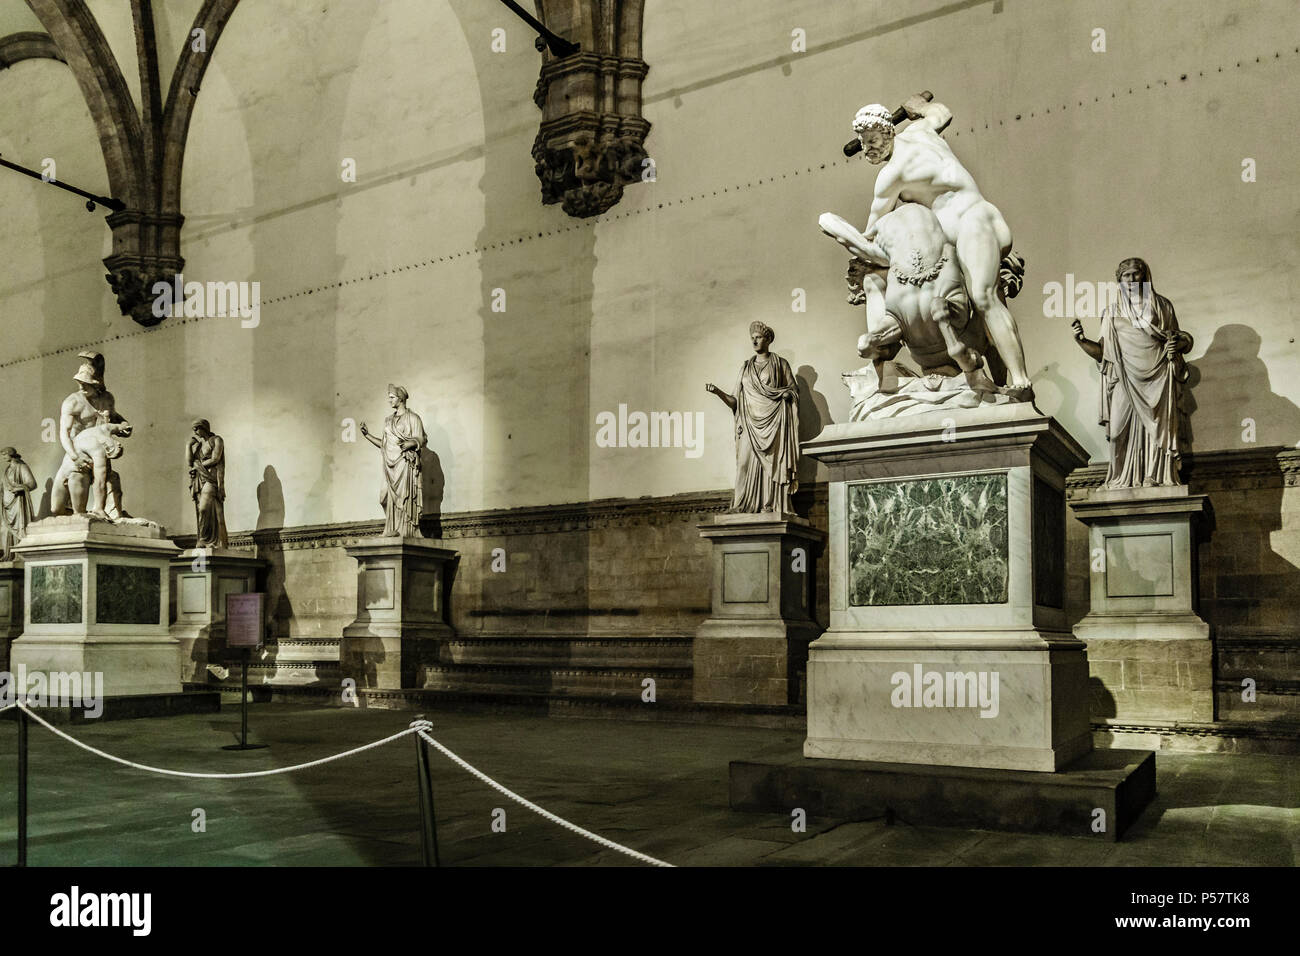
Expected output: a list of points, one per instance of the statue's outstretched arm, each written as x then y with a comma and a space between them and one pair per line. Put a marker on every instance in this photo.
728, 400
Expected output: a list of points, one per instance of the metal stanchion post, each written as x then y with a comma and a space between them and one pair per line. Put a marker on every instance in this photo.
428, 817
243, 711
22, 787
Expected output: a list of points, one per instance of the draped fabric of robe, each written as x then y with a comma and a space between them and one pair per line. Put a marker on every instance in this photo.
767, 437
15, 505
210, 516
403, 495
1139, 395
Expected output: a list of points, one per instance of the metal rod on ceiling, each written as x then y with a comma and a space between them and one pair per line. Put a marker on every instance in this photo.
91, 199
558, 46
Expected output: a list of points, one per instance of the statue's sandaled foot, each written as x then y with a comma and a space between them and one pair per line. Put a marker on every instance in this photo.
1018, 393
100, 515
978, 381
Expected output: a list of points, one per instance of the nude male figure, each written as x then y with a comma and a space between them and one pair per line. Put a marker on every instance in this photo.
920, 167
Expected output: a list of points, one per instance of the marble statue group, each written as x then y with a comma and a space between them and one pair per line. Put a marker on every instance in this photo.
934, 268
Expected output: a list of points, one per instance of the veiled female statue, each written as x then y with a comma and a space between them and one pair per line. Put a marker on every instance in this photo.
766, 408
16, 486
1140, 350
403, 494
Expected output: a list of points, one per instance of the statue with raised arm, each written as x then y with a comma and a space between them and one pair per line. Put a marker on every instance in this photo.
89, 427
920, 167
766, 409
1140, 352
16, 486
205, 458
400, 446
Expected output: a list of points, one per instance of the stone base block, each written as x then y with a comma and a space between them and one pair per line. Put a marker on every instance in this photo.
1149, 668
391, 657
1118, 782
201, 580
128, 665
965, 700
1148, 649
11, 607
401, 623
95, 599
753, 647
751, 662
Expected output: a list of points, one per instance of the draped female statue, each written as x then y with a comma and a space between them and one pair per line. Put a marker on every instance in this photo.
1140, 350
205, 456
16, 486
402, 497
766, 409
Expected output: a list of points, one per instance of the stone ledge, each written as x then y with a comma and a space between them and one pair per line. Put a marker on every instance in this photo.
1121, 782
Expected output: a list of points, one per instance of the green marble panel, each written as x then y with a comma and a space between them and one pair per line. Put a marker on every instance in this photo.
56, 594
127, 594
928, 541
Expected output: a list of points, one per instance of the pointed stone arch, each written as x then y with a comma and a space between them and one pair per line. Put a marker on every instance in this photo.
144, 148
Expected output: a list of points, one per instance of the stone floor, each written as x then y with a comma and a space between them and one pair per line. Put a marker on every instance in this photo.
659, 788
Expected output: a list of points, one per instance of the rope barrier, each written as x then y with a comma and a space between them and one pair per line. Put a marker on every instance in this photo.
204, 776
422, 726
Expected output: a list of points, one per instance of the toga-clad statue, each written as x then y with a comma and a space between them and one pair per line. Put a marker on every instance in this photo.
89, 426
1140, 351
400, 447
766, 408
205, 457
16, 486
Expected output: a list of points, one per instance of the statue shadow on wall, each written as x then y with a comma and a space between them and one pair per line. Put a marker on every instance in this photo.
814, 415
270, 521
1230, 384
1067, 392
433, 484
1228, 392
43, 509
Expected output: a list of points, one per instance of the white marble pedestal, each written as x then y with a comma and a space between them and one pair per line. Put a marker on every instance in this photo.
1149, 650
96, 597
11, 607
948, 643
402, 584
752, 649
201, 579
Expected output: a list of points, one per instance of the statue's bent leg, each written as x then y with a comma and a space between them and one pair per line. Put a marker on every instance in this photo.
78, 490
980, 254
113, 495
941, 312
59, 503
99, 487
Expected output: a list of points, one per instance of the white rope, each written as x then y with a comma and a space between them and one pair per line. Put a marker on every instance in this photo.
420, 727
206, 776
423, 726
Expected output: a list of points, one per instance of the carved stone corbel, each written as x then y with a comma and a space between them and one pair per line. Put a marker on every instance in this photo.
592, 137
